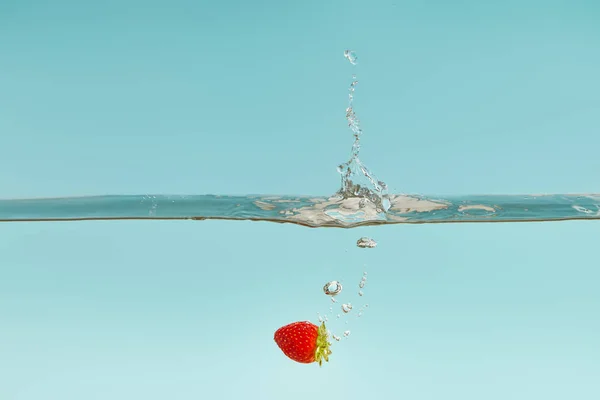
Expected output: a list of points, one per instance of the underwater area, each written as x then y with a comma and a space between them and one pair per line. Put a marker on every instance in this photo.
182, 182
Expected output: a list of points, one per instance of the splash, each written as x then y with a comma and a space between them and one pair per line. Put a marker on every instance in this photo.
357, 180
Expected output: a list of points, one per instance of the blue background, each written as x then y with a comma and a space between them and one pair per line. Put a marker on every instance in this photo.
232, 97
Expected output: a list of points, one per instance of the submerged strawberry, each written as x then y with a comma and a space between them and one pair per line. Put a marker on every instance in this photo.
304, 342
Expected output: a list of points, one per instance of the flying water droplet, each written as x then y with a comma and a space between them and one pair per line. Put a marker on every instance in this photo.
360, 293
346, 308
332, 288
333, 300
362, 284
365, 242
346, 333
337, 338
351, 56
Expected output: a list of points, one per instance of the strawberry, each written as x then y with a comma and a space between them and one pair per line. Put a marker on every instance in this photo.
304, 342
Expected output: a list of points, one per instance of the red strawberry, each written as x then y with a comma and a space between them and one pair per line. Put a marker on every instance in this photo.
304, 342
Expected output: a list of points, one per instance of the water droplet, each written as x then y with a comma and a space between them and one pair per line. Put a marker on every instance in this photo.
360, 293
346, 333
333, 300
337, 338
346, 308
332, 288
321, 319
338, 315
351, 56
366, 305
365, 242
359, 314
362, 284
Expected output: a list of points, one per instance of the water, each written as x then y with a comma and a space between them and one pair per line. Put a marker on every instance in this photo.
361, 200
310, 211
351, 56
357, 180
184, 307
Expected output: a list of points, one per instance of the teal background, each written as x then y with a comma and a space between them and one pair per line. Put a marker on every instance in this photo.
121, 97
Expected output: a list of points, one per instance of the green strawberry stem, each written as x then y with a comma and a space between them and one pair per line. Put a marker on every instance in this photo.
322, 351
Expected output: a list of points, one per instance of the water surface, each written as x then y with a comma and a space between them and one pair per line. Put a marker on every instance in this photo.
333, 211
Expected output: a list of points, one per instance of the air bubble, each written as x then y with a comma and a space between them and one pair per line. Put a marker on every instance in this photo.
346, 308
366, 243
332, 288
